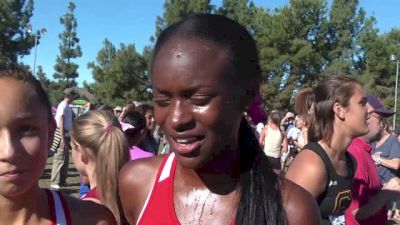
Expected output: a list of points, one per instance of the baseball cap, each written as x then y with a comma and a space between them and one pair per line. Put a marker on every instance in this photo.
378, 107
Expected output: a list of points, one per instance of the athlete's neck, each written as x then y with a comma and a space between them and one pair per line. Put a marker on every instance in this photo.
337, 147
90, 171
28, 208
220, 175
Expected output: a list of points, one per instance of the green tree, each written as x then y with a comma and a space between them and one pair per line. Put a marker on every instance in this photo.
302, 42
175, 10
379, 74
65, 69
88, 86
119, 75
371, 46
244, 12
15, 40
42, 77
346, 21
54, 89
55, 92
291, 48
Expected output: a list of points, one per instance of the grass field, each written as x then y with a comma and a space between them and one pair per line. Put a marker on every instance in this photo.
73, 178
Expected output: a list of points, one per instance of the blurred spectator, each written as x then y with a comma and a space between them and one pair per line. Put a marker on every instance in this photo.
149, 143
99, 150
287, 121
117, 111
129, 107
301, 124
386, 154
273, 140
134, 127
368, 196
397, 133
106, 108
292, 135
64, 118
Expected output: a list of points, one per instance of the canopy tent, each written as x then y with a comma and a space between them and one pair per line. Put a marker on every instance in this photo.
81, 92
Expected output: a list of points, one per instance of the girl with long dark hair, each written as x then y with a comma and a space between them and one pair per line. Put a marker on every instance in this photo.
205, 74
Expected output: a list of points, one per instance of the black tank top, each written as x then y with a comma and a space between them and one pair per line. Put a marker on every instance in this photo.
337, 195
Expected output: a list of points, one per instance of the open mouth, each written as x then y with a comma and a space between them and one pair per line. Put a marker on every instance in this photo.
186, 145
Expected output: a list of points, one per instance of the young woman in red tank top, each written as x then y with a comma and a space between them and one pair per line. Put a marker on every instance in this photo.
26, 133
99, 150
205, 73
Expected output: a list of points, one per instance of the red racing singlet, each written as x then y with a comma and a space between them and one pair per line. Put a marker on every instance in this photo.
159, 206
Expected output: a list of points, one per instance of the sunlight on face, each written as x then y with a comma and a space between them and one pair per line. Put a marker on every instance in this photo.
24, 133
195, 105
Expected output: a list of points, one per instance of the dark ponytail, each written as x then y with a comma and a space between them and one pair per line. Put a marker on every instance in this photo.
261, 200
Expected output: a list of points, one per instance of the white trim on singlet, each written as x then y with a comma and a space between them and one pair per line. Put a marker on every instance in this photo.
59, 210
145, 205
165, 173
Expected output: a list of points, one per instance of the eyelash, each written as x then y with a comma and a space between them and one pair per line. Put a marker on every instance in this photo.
198, 101
201, 101
161, 102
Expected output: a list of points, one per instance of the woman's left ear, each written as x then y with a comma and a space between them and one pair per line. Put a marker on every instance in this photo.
339, 110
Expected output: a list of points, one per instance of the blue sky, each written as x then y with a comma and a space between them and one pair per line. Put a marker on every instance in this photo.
133, 21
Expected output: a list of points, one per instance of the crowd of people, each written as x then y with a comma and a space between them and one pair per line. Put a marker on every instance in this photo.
224, 161
350, 165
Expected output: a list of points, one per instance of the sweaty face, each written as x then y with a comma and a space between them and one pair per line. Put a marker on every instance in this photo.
24, 137
356, 113
195, 104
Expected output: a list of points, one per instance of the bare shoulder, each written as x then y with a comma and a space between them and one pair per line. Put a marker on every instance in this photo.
140, 173
308, 170
136, 179
88, 212
306, 161
300, 206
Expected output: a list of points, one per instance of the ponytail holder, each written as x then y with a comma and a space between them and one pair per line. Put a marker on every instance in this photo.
107, 128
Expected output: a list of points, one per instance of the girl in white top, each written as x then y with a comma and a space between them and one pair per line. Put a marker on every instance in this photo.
273, 140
